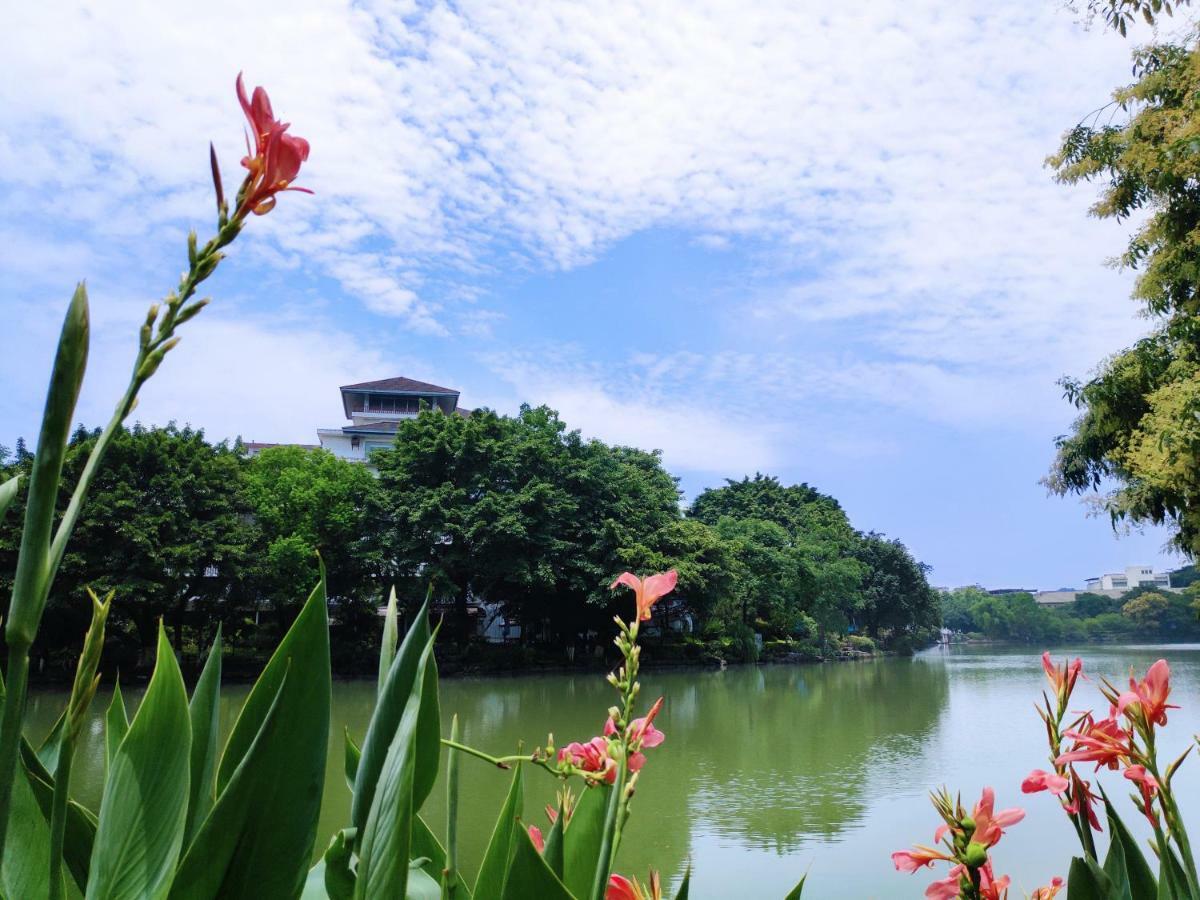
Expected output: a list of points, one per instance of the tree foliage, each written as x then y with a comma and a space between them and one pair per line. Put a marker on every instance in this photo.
1138, 433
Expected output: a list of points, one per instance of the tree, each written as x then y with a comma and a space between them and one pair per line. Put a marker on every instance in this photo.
166, 526
309, 502
896, 593
1138, 426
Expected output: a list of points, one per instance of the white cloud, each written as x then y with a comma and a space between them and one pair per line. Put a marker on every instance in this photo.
884, 159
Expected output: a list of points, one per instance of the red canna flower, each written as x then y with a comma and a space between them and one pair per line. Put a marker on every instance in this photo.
990, 825
1148, 785
647, 591
275, 158
1037, 780
535, 835
991, 887
622, 888
1105, 743
1150, 694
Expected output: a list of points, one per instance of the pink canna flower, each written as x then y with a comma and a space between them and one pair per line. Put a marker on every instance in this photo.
991, 887
1150, 694
1037, 780
918, 857
535, 835
648, 591
590, 757
946, 888
1062, 677
1148, 785
990, 825
1082, 796
1050, 891
1105, 743
275, 158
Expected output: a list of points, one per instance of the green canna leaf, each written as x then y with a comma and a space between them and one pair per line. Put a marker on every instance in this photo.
351, 756
553, 854
339, 879
144, 806
386, 718
8, 493
81, 823
211, 866
682, 893
1125, 864
385, 845
116, 725
26, 866
529, 876
391, 637
489, 885
47, 751
420, 885
581, 840
204, 712
427, 847
274, 807
794, 894
31, 582
1087, 881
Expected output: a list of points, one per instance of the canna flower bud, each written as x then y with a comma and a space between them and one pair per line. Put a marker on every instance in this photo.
976, 855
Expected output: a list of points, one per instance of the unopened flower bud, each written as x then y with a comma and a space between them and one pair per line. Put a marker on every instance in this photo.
976, 855
968, 825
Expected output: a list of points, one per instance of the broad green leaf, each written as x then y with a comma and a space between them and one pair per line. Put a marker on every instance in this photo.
529, 876
489, 885
144, 806
339, 879
386, 718
276, 805
80, 832
1172, 878
116, 725
794, 894
8, 493
391, 637
215, 863
1132, 873
553, 854
26, 866
420, 885
682, 893
1087, 881
48, 749
351, 756
385, 845
426, 846
204, 712
581, 840
314, 884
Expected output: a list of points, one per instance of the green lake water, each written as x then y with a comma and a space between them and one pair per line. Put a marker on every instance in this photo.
767, 773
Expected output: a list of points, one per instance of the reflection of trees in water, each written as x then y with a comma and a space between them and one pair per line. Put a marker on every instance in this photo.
780, 754
766, 756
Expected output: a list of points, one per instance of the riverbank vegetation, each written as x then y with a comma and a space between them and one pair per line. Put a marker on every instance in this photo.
518, 511
1139, 614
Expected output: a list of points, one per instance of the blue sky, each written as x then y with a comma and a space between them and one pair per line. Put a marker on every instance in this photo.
773, 237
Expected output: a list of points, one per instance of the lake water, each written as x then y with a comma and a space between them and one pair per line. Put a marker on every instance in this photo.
768, 773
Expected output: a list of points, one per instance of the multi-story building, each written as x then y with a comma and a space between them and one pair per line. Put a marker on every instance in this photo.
375, 410
1133, 576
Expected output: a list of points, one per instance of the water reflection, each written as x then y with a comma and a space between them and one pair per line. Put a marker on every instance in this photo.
765, 772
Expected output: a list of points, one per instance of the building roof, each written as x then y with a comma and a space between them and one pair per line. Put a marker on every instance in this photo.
399, 385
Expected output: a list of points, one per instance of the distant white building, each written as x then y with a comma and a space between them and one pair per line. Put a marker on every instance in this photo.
375, 410
1133, 576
